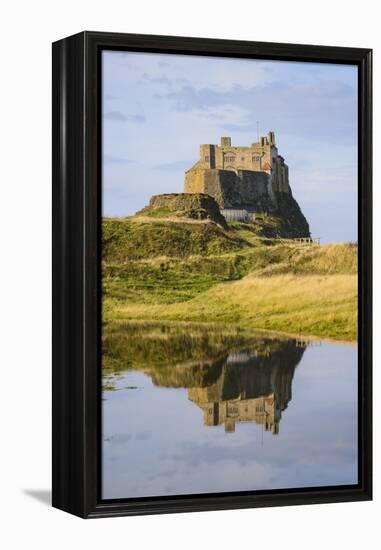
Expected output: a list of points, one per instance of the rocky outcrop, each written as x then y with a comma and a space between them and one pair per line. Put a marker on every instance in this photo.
254, 191
195, 206
293, 222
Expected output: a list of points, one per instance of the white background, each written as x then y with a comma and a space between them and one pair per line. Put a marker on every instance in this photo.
27, 30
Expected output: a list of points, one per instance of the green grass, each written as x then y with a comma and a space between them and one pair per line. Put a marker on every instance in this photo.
331, 259
323, 306
201, 273
168, 280
265, 228
161, 282
126, 239
142, 345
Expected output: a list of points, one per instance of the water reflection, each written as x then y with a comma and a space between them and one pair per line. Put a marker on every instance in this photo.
246, 385
249, 384
250, 388
171, 392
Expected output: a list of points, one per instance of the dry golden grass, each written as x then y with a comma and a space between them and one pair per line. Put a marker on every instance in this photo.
321, 305
166, 270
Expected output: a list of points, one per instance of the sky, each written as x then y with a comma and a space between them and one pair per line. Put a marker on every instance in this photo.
159, 108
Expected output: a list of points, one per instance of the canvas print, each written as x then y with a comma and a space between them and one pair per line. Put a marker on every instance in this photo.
229, 275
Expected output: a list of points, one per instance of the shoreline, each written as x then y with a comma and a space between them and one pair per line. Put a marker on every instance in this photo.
239, 328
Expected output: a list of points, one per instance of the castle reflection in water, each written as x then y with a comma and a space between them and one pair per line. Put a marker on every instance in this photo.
248, 390
249, 385
186, 410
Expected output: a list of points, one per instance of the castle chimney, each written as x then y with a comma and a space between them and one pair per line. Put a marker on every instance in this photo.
229, 425
226, 142
272, 138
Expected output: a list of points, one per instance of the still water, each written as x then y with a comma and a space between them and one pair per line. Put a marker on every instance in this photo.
188, 411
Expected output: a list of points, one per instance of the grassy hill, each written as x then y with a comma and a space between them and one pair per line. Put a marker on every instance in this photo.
195, 270
137, 239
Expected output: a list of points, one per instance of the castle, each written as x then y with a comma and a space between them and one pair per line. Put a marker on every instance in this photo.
252, 177
238, 184
246, 385
250, 388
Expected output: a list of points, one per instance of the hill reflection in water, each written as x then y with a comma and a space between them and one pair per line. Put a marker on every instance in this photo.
186, 407
249, 379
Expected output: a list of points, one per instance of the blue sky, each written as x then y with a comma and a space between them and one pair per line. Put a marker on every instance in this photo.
158, 108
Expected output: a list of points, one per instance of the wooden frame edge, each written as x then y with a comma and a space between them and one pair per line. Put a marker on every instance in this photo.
76, 314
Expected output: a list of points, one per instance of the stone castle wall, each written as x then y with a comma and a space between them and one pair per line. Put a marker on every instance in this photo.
232, 189
240, 176
258, 156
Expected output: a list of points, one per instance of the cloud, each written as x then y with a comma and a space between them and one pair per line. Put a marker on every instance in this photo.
115, 115
109, 159
121, 117
321, 110
243, 127
166, 70
155, 80
174, 166
136, 118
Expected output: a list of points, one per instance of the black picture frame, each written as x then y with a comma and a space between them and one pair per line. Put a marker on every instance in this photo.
77, 171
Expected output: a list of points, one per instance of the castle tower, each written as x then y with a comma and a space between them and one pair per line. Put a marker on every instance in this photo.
257, 173
208, 156
226, 142
229, 425
271, 138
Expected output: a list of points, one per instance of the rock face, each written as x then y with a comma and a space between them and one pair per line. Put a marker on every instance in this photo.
294, 224
196, 206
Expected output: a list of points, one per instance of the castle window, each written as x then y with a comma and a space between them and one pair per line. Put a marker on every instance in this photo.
256, 159
207, 158
229, 159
